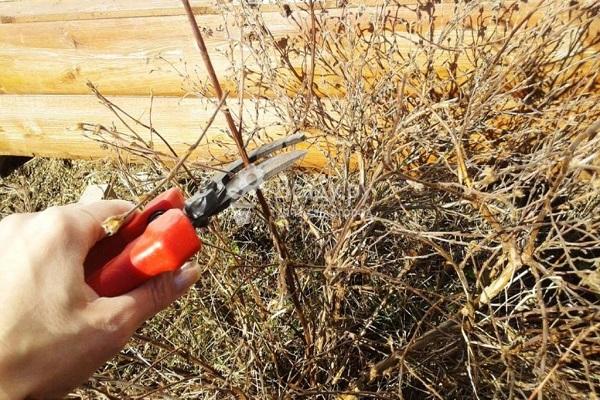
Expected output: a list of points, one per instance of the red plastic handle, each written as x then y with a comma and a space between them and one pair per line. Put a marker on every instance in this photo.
143, 248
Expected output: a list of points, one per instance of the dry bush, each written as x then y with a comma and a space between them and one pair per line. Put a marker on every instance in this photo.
451, 249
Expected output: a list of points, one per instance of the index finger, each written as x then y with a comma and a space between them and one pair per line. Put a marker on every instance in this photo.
98, 211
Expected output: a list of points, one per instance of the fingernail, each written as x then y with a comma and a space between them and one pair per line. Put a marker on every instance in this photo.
186, 276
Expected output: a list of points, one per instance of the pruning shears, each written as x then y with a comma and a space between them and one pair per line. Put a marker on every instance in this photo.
162, 237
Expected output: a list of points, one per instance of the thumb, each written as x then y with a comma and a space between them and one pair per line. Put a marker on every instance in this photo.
158, 293
142, 303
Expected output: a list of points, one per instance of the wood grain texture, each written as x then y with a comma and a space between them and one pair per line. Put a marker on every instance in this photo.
50, 50
49, 125
67, 10
134, 48
128, 56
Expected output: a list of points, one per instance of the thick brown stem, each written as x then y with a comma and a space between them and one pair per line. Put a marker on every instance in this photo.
288, 278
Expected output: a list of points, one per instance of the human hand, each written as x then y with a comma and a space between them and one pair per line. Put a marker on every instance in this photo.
54, 329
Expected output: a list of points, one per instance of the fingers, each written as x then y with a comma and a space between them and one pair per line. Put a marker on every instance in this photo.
73, 229
92, 193
158, 293
135, 307
97, 212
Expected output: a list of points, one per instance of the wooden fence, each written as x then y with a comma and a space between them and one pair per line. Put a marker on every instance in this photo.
131, 50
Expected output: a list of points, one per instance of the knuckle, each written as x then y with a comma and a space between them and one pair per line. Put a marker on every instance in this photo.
13, 226
11, 221
120, 337
54, 219
114, 327
161, 291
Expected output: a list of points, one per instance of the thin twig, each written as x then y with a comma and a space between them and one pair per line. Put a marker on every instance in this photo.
287, 275
112, 224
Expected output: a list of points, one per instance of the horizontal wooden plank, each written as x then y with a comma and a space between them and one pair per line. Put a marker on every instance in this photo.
50, 125
136, 56
68, 10
126, 50
61, 10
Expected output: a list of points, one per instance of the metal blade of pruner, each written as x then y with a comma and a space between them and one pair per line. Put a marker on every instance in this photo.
251, 177
224, 175
233, 181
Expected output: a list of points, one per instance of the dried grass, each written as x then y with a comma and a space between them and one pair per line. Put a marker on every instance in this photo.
458, 258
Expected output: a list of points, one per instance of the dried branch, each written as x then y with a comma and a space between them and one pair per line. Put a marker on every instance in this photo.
112, 224
288, 280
